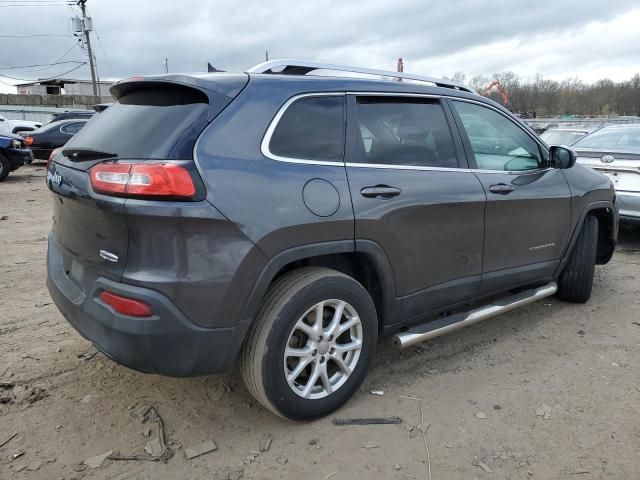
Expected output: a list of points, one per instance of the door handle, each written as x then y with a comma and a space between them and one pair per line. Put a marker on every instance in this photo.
383, 192
501, 189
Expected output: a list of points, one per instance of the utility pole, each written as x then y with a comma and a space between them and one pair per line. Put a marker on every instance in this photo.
86, 28
166, 65
266, 55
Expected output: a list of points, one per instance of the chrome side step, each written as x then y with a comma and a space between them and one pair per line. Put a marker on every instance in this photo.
455, 322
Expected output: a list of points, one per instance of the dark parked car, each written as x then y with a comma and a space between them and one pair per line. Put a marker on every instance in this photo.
13, 154
288, 220
51, 136
615, 151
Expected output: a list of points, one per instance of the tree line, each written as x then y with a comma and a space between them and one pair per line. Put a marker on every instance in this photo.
567, 97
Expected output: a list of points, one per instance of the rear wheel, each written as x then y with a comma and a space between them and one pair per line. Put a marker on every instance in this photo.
576, 280
5, 167
311, 344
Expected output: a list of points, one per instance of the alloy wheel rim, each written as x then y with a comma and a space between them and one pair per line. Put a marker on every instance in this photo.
323, 349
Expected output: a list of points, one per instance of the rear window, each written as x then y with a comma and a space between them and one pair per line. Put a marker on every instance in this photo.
311, 128
152, 123
619, 137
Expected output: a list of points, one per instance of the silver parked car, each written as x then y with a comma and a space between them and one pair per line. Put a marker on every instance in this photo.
563, 136
615, 151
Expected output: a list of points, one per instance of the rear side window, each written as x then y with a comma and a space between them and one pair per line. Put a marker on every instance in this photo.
311, 128
397, 131
72, 128
151, 123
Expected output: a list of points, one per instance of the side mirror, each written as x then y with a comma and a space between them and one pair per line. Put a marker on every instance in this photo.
562, 157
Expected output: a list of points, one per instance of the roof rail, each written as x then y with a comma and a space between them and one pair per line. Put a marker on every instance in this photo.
302, 67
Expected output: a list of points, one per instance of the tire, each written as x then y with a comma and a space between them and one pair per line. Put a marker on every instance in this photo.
286, 320
5, 167
576, 279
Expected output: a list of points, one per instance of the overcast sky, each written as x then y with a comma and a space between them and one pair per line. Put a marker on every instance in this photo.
589, 39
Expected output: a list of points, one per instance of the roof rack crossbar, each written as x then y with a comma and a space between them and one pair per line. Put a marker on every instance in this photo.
302, 67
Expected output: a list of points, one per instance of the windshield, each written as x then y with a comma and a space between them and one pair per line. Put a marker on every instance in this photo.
562, 137
617, 138
160, 123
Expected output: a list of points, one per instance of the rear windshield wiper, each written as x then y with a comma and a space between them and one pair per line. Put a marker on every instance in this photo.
78, 154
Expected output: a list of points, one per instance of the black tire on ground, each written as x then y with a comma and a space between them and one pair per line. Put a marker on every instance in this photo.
5, 167
576, 280
263, 364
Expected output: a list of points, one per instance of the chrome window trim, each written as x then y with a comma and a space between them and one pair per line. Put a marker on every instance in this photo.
406, 167
266, 139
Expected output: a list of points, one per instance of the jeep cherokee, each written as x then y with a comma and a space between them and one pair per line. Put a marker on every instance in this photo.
286, 220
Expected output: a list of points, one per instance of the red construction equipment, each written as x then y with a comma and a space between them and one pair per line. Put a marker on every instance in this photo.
501, 90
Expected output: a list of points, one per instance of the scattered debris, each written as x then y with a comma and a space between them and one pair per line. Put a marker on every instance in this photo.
367, 421
17, 455
369, 447
98, 460
200, 449
379, 393
282, 460
477, 463
150, 414
265, 443
636, 323
236, 474
397, 466
329, 475
497, 407
313, 441
40, 305
11, 437
614, 364
544, 411
31, 357
481, 415
580, 472
424, 431
153, 447
582, 333
38, 464
4, 217
88, 355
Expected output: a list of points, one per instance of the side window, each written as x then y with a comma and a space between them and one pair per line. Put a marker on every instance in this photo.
312, 128
497, 142
72, 128
403, 131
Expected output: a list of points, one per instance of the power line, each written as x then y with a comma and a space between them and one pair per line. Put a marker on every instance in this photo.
44, 79
37, 35
42, 65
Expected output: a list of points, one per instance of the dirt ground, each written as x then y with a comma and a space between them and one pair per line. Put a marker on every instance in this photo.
551, 391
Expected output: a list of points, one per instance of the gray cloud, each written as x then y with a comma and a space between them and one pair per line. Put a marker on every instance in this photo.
550, 37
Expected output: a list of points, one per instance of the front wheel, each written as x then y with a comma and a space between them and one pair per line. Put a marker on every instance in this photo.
311, 344
576, 279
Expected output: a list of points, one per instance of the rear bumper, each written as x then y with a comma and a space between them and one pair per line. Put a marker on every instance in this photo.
628, 206
166, 343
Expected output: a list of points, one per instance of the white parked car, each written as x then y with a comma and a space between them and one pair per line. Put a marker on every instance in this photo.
15, 126
615, 151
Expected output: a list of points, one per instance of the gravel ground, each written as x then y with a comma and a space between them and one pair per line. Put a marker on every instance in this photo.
551, 391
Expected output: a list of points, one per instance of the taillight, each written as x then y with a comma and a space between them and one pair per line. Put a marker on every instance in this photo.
142, 180
125, 305
53, 154
28, 141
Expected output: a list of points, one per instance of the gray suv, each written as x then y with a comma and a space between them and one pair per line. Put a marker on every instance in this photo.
287, 220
